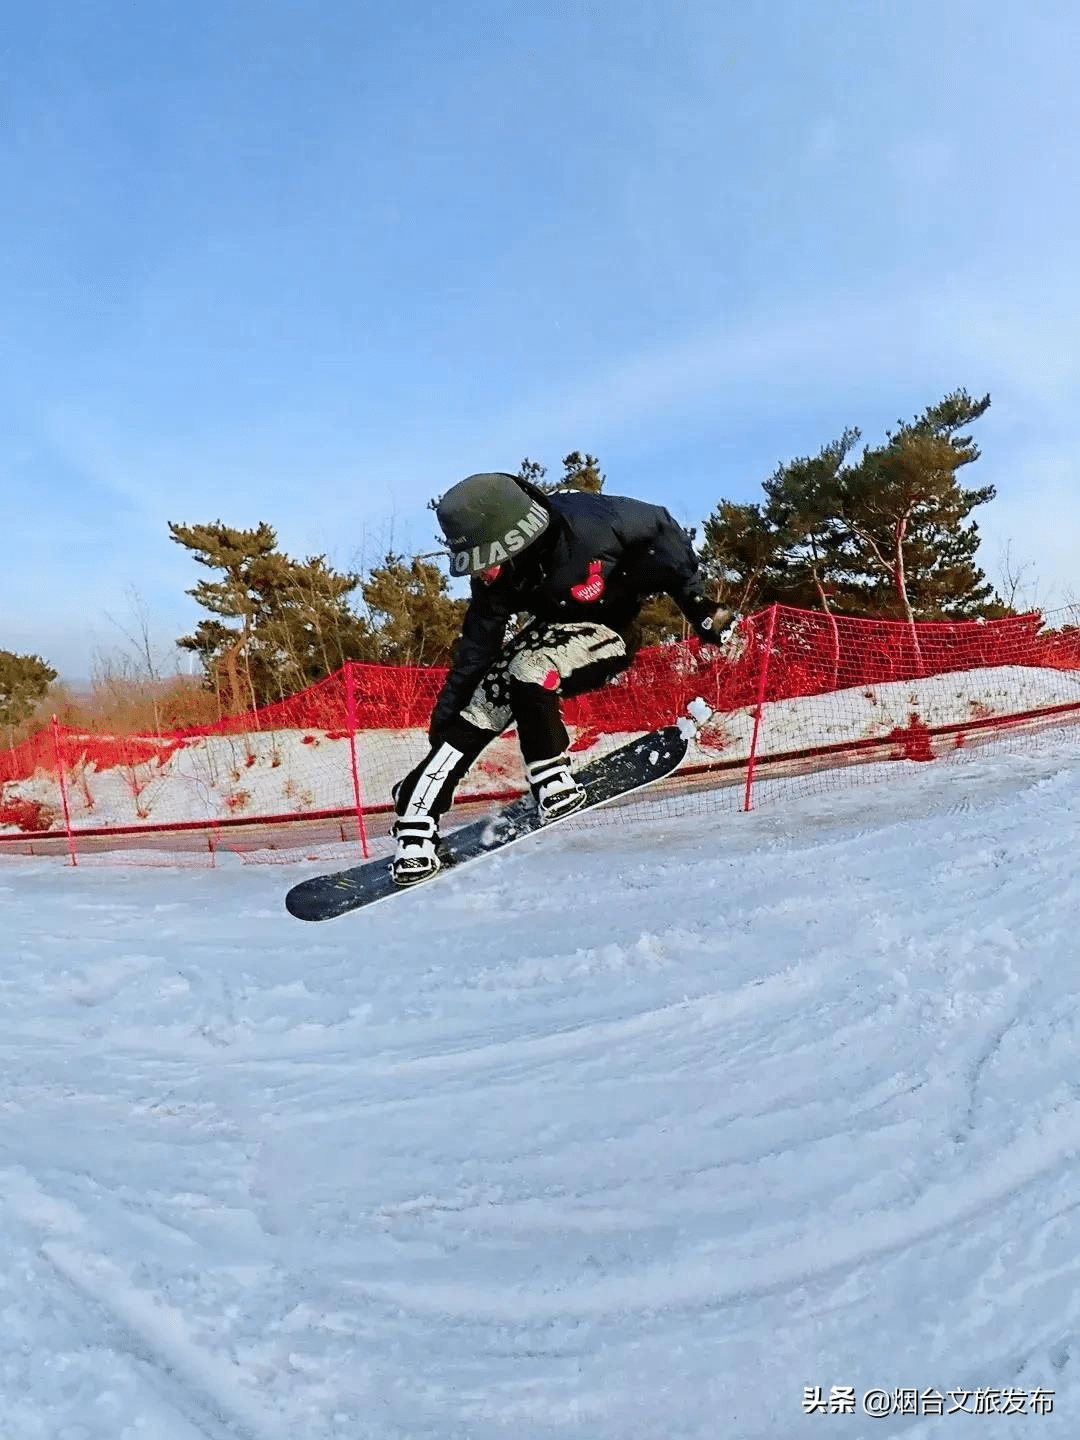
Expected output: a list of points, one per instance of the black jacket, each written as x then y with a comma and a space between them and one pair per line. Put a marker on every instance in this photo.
634, 548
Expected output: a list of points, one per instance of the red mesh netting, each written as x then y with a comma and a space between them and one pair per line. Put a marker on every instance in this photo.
803, 689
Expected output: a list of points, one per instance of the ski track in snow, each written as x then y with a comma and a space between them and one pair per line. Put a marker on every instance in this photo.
629, 1132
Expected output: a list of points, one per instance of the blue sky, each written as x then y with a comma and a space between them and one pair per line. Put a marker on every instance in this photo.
311, 263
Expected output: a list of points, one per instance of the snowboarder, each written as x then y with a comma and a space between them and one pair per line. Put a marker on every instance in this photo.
580, 566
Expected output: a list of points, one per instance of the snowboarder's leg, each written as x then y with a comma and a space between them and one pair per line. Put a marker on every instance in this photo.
549, 663
543, 664
426, 793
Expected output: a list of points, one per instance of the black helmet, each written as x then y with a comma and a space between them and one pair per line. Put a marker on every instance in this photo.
487, 520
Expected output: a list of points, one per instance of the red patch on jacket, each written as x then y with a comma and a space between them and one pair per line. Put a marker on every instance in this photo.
593, 587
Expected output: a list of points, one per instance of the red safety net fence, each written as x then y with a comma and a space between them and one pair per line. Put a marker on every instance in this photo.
801, 694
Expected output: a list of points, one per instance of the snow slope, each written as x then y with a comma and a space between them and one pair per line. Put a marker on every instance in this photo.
629, 1132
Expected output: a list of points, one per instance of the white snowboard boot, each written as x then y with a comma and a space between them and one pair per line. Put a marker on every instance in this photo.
417, 855
554, 788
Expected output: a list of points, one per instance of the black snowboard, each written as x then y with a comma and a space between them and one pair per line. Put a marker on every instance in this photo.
629, 768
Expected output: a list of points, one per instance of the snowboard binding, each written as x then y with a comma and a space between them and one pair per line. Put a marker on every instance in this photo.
417, 855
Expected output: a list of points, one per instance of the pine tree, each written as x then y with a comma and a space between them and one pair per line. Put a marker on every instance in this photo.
906, 518
812, 559
888, 535
279, 624
24, 680
308, 630
413, 620
580, 472
741, 554
533, 472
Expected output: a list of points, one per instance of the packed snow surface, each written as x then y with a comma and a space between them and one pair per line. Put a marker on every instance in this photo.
649, 1132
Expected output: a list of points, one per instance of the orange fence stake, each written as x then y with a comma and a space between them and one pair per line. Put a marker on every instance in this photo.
350, 701
63, 789
760, 703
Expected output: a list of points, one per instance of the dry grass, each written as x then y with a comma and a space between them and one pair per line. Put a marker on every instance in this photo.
123, 704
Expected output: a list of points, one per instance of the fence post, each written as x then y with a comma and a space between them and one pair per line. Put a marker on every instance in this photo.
836, 650
350, 692
770, 631
63, 789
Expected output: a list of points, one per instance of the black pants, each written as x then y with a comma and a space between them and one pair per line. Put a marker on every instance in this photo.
545, 663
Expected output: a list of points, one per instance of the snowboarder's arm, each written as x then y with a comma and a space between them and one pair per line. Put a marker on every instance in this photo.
671, 557
481, 639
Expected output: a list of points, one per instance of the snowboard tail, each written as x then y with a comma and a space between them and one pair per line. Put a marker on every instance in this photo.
623, 771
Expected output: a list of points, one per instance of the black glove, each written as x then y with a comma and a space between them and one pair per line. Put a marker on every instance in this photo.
713, 627
441, 716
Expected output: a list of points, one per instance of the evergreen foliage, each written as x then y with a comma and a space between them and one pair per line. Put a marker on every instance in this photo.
740, 554
889, 535
413, 619
24, 680
905, 515
886, 534
278, 624
580, 472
